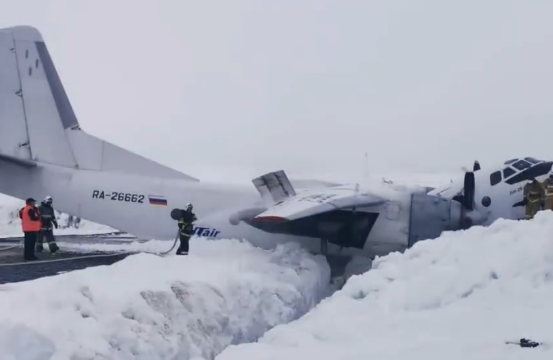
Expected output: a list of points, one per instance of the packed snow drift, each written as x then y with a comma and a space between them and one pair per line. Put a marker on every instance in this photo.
461, 296
148, 307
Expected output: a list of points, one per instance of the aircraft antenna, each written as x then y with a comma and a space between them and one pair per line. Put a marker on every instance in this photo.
365, 168
364, 178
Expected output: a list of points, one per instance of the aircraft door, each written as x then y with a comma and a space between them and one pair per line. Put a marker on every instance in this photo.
347, 228
430, 216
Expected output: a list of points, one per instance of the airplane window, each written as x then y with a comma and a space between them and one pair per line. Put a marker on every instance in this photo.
508, 172
486, 201
495, 178
533, 172
508, 162
532, 160
521, 165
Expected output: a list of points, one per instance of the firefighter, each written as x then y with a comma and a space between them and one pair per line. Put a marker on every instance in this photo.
186, 229
48, 219
30, 223
533, 197
548, 188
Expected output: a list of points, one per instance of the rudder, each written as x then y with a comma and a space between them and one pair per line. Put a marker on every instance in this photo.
30, 127
37, 121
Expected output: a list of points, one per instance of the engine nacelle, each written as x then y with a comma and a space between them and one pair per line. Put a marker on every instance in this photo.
431, 215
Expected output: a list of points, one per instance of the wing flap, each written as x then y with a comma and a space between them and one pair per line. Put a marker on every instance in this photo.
274, 186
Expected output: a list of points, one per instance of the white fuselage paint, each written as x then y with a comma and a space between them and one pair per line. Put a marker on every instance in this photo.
213, 204
503, 196
74, 193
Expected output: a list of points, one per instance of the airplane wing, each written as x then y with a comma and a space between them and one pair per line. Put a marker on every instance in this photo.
316, 202
284, 203
313, 183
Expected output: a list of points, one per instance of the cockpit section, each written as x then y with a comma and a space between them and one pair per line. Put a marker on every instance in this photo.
518, 170
530, 160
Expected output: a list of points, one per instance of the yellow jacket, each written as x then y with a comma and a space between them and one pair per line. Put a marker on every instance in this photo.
548, 186
534, 191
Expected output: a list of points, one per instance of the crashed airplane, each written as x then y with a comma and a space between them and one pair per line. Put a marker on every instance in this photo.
44, 151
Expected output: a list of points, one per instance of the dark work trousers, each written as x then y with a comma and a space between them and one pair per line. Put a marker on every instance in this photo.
29, 245
184, 244
49, 235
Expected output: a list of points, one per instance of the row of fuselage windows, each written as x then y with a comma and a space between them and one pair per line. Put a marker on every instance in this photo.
495, 177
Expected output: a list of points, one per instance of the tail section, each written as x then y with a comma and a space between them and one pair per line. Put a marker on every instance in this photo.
37, 121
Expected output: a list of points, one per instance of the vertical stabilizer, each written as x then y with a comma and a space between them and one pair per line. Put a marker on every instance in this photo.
37, 121
34, 100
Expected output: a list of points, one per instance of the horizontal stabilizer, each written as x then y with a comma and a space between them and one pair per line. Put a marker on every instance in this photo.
95, 154
274, 186
313, 203
18, 161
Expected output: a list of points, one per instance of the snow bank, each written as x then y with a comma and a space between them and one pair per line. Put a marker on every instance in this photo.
457, 297
10, 224
147, 307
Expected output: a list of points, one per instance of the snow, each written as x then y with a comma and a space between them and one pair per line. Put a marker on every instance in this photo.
149, 307
457, 297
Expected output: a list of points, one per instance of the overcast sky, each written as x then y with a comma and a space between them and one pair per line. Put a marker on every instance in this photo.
308, 86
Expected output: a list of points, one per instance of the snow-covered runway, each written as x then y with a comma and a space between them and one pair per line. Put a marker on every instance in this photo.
148, 307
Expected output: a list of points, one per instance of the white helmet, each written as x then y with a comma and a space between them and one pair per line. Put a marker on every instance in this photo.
48, 199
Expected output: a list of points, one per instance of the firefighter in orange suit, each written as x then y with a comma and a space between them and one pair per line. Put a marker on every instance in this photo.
31, 224
548, 187
533, 197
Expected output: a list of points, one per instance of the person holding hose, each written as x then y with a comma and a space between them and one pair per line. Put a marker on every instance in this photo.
186, 229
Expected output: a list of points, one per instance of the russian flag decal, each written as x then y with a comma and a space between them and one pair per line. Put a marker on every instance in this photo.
157, 200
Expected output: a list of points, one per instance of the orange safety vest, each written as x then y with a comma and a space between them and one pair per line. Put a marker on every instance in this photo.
26, 223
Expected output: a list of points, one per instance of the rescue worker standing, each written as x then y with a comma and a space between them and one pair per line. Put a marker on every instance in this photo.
186, 228
534, 195
548, 188
48, 219
30, 223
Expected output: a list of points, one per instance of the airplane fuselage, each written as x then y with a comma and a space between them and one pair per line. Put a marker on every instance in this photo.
142, 205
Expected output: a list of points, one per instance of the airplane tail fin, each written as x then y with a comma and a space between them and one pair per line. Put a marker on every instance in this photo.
37, 121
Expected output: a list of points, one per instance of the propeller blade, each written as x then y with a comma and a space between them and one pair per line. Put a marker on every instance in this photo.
469, 191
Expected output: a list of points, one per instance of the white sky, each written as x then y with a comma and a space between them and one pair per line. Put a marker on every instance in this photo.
306, 85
